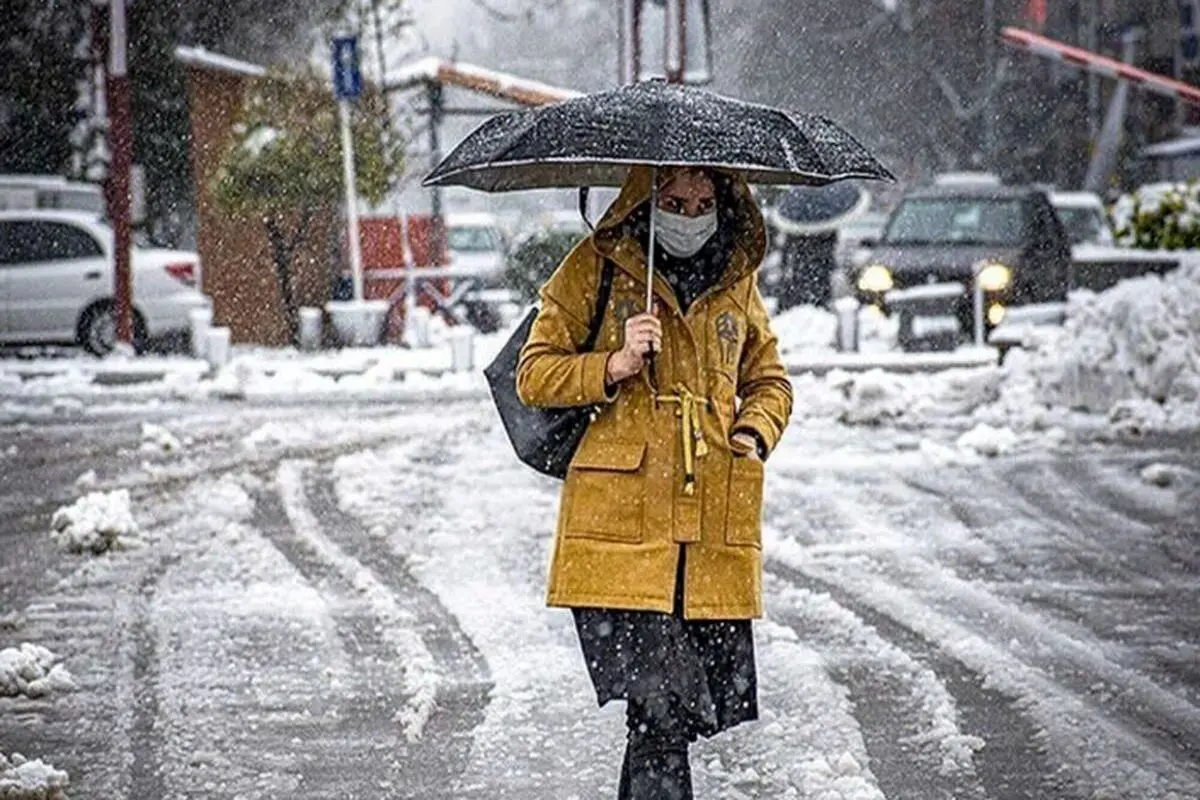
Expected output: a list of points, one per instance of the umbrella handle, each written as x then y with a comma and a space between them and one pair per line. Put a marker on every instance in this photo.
650, 246
650, 365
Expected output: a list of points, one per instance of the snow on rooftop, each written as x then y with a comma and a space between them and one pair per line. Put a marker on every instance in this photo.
201, 57
460, 74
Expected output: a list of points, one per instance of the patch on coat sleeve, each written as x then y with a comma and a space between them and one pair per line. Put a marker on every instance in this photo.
729, 337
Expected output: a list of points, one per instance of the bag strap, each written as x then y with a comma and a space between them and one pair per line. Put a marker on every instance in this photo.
583, 207
602, 297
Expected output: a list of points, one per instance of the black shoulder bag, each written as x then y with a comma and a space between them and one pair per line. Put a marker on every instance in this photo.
544, 438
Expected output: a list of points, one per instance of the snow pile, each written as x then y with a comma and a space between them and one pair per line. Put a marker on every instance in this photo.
157, 439
22, 779
31, 670
1160, 475
94, 523
878, 397
804, 328
266, 435
1132, 353
988, 441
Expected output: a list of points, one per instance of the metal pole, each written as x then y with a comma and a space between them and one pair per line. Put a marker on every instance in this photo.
351, 199
989, 60
121, 139
437, 224
650, 247
978, 311
410, 275
1092, 43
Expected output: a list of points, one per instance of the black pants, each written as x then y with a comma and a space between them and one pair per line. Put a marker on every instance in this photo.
656, 753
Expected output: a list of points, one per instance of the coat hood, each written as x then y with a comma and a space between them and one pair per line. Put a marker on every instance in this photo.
749, 234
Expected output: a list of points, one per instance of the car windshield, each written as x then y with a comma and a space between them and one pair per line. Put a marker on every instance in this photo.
1085, 225
472, 239
957, 220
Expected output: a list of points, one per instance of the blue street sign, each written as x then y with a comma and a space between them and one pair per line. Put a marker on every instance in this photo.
347, 79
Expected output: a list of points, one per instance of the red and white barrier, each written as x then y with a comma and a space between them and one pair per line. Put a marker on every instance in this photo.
1100, 65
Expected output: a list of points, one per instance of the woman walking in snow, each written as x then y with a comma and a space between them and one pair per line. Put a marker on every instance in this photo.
658, 549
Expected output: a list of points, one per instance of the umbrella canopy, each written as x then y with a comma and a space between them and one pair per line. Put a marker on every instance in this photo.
806, 210
594, 139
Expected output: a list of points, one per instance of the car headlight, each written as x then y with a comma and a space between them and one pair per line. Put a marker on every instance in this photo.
876, 278
994, 277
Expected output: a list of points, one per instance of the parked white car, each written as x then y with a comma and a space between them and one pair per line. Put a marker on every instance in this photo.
475, 245
56, 283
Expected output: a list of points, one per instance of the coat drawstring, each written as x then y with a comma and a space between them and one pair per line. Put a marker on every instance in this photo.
691, 435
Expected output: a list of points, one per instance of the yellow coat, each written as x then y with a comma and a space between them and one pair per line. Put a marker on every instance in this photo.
625, 505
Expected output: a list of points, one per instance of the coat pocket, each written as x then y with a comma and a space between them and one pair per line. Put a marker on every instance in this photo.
743, 524
607, 492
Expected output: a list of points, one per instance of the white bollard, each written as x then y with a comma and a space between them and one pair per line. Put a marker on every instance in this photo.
217, 347
462, 349
311, 323
358, 323
201, 322
978, 304
416, 327
846, 309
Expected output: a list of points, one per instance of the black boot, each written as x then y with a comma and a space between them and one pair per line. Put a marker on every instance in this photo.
656, 769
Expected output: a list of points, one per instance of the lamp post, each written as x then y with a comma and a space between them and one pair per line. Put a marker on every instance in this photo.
678, 30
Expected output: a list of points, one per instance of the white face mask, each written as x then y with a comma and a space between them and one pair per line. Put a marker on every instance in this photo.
683, 236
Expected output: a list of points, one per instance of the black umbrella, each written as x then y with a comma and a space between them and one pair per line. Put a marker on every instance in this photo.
807, 210
593, 140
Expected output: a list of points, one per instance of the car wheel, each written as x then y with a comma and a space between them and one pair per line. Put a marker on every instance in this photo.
97, 332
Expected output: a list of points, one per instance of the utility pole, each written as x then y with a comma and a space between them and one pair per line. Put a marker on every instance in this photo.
989, 60
437, 222
117, 188
1092, 43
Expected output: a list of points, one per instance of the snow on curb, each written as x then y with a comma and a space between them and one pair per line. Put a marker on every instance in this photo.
31, 670
22, 779
421, 674
95, 523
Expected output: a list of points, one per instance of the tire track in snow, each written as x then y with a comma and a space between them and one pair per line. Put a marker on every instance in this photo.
932, 728
481, 545
146, 778
464, 686
1064, 685
381, 736
1082, 650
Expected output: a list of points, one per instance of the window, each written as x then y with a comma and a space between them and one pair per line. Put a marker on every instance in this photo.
960, 220
472, 239
28, 241
1085, 225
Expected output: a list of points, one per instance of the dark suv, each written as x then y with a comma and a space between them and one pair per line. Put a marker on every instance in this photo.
938, 241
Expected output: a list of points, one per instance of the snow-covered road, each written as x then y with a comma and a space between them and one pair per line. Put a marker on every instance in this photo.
347, 602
